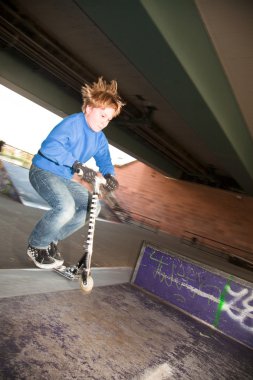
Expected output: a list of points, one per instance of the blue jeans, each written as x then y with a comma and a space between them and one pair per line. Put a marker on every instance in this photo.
68, 201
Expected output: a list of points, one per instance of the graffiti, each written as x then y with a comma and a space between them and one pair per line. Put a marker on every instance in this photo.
221, 303
209, 295
175, 271
182, 277
240, 307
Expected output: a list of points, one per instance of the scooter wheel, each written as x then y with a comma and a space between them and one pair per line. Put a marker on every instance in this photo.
86, 287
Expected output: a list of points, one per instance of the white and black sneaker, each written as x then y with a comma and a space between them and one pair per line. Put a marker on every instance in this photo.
41, 258
55, 254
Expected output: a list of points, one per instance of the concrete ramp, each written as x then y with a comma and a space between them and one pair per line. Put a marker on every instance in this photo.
7, 186
19, 178
20, 282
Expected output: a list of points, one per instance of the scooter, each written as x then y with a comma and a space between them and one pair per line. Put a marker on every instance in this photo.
82, 270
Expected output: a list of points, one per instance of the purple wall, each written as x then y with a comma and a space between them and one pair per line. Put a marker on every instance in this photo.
216, 298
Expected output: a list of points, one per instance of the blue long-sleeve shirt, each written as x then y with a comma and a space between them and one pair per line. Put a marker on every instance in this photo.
73, 140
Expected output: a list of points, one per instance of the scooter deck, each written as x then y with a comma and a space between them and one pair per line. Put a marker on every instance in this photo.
67, 273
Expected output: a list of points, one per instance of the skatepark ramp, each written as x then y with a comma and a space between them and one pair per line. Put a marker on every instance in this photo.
7, 186
20, 282
51, 330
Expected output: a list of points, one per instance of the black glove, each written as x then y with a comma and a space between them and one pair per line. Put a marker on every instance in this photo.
111, 183
87, 174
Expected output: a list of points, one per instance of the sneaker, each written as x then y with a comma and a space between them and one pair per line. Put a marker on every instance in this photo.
41, 258
55, 254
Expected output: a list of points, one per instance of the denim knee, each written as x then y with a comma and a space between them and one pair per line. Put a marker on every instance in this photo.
66, 211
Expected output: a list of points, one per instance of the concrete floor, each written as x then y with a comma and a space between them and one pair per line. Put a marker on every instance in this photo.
116, 332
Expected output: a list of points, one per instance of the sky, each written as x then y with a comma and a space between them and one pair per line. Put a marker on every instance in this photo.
24, 125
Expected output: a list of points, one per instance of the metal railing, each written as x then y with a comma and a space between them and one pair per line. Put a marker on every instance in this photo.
143, 221
125, 215
230, 253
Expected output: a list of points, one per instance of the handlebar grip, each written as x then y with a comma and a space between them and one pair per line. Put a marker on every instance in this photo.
79, 172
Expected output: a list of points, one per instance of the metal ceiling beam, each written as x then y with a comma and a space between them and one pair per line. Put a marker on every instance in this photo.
194, 50
193, 83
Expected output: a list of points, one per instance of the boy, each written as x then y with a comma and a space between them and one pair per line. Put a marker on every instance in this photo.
54, 169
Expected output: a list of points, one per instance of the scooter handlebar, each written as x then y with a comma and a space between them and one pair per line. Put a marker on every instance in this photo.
97, 182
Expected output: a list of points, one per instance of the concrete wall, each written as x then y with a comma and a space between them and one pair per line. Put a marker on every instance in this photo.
181, 206
222, 301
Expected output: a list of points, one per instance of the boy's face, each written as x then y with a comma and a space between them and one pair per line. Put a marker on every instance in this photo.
98, 118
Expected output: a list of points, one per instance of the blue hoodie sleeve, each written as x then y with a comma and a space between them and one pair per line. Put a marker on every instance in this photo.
103, 158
